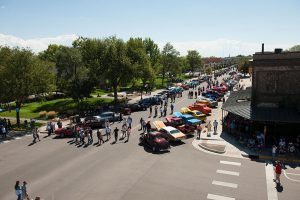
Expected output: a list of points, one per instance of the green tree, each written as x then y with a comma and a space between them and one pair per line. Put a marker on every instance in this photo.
23, 74
169, 61
295, 48
194, 61
153, 52
243, 64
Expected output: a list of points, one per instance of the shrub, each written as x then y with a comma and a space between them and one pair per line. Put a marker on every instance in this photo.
42, 114
51, 114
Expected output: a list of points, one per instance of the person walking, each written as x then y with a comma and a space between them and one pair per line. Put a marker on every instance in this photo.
116, 133
141, 122
199, 129
144, 126
37, 133
165, 111
155, 111
161, 111
90, 133
18, 190
124, 129
150, 111
107, 132
215, 124
148, 126
100, 137
128, 134
278, 169
129, 121
81, 133
4, 132
34, 136
24, 191
172, 108
124, 121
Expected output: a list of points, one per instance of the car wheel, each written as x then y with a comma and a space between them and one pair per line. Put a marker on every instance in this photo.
62, 135
154, 149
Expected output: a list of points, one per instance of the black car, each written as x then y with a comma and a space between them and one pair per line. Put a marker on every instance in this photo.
136, 107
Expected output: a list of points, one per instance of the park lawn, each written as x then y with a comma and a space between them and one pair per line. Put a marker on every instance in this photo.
31, 110
100, 92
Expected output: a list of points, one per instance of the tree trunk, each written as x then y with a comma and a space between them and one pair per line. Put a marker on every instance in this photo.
115, 88
18, 106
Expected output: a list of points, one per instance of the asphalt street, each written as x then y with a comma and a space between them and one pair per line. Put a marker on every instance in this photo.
57, 169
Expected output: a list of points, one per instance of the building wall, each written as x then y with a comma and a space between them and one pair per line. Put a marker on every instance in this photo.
276, 81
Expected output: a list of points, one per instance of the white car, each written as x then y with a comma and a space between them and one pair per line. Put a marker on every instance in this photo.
172, 134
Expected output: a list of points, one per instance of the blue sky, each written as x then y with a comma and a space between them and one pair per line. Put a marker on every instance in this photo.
213, 27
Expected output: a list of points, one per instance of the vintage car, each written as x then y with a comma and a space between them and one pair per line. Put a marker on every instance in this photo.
66, 131
172, 134
202, 101
158, 125
180, 125
220, 89
212, 103
155, 141
187, 119
200, 107
195, 113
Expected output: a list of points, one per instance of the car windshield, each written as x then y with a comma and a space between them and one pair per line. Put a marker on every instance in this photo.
188, 118
174, 131
158, 137
198, 113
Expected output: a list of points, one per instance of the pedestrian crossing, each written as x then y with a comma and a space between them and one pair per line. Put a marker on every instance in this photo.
223, 183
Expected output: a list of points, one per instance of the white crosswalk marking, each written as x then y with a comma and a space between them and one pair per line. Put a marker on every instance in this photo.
218, 197
6, 141
271, 191
230, 163
225, 184
228, 172
18, 138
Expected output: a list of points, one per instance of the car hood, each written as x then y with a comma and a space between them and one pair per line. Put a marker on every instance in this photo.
160, 140
194, 121
178, 135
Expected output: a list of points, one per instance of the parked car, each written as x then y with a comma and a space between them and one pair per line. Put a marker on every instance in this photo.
64, 132
212, 102
201, 107
203, 101
136, 107
188, 119
180, 125
108, 116
195, 113
93, 122
172, 134
155, 141
220, 89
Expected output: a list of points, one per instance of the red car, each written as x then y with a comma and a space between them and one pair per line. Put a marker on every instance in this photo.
180, 125
220, 89
155, 141
201, 107
63, 132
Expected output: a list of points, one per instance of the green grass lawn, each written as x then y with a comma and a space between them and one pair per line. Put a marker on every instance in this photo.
31, 110
100, 92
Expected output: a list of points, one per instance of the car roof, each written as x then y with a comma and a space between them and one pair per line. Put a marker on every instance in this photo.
106, 113
187, 115
169, 128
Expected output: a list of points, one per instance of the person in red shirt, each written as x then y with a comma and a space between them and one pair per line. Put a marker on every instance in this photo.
278, 169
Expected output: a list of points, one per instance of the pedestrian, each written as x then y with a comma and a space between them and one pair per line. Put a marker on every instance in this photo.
82, 136
172, 108
8, 124
34, 136
195, 94
100, 137
278, 169
76, 133
106, 123
128, 133
18, 190
4, 132
161, 102
223, 100
129, 121
150, 111
49, 128
90, 132
199, 129
116, 133
148, 126
144, 126
24, 191
155, 111
107, 132
37, 133
215, 124
165, 111
274, 149
141, 122
124, 121
161, 111
120, 118
124, 129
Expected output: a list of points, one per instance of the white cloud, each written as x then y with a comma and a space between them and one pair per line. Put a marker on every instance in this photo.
36, 44
223, 47
218, 47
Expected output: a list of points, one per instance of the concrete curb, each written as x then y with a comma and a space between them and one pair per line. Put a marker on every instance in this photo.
212, 150
263, 157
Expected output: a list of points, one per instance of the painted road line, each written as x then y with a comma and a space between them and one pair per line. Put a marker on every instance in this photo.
293, 174
291, 179
6, 141
225, 184
228, 172
271, 187
230, 163
218, 197
18, 138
